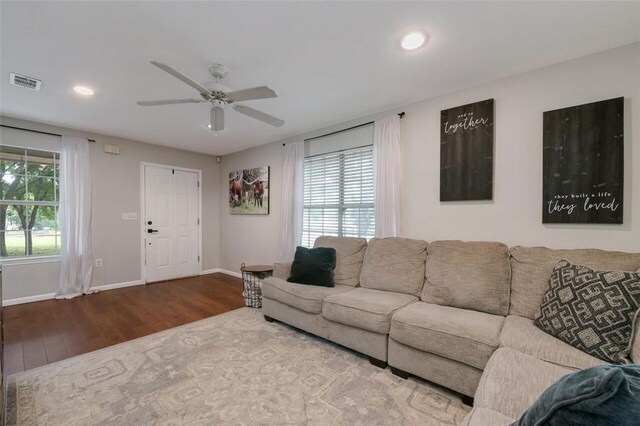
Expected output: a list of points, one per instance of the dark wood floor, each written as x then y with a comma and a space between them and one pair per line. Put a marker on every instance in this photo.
40, 333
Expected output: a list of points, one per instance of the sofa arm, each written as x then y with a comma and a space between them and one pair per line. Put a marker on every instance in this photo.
282, 270
635, 343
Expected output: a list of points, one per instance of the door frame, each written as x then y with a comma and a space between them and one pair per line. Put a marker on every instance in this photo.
143, 250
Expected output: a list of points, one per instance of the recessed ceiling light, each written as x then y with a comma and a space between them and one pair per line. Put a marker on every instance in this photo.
83, 90
413, 41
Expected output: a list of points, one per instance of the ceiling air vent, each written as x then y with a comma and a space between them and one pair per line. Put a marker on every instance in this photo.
24, 81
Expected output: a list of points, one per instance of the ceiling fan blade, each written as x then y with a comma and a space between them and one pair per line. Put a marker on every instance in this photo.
217, 118
261, 92
170, 102
259, 115
180, 76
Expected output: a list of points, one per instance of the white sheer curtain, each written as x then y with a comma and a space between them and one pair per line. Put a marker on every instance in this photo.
292, 200
76, 264
386, 176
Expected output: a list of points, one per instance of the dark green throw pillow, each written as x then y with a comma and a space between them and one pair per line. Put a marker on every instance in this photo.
602, 395
314, 266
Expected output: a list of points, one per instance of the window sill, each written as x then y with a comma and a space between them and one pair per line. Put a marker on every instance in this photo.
29, 260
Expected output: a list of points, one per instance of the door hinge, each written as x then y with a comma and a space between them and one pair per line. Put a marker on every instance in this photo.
173, 172
198, 184
198, 221
198, 258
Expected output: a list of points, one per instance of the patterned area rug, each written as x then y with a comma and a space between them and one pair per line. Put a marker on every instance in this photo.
233, 368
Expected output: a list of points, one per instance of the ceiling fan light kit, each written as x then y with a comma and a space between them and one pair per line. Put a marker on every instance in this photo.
219, 95
217, 116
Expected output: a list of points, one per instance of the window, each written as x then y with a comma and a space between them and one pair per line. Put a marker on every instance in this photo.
338, 195
29, 201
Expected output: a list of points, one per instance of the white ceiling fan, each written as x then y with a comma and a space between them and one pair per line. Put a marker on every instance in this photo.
219, 95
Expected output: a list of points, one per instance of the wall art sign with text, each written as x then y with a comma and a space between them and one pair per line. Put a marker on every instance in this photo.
583, 169
466, 152
249, 191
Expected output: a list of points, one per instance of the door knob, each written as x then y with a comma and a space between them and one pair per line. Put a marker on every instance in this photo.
151, 231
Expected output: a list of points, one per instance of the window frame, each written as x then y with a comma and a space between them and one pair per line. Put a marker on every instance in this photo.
341, 207
37, 258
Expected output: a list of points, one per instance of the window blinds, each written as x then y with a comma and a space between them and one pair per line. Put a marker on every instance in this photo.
338, 195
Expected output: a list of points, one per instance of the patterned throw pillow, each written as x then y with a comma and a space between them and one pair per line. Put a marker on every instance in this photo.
591, 310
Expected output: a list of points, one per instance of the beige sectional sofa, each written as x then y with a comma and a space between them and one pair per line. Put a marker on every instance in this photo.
459, 314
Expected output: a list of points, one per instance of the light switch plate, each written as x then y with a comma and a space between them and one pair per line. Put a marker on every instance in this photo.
130, 216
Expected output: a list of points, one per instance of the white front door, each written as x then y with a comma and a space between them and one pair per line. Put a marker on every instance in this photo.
171, 223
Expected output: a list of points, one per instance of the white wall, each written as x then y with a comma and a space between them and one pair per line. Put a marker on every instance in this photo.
244, 238
515, 214
116, 189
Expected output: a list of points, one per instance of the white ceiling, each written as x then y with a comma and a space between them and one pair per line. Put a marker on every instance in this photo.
329, 62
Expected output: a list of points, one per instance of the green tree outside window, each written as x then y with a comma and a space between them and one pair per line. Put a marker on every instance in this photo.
29, 201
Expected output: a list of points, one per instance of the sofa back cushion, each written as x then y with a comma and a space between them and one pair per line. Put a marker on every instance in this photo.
531, 269
349, 256
394, 264
471, 275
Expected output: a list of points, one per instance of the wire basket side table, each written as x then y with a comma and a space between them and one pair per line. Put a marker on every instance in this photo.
252, 276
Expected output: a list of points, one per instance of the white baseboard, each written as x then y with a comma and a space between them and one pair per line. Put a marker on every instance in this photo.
28, 299
118, 285
221, 271
47, 296
232, 273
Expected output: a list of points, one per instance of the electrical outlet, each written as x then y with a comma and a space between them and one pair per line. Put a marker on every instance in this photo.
99, 262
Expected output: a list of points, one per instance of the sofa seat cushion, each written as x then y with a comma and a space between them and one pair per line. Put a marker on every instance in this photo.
365, 308
305, 297
349, 256
472, 275
394, 264
462, 335
485, 417
512, 381
520, 334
